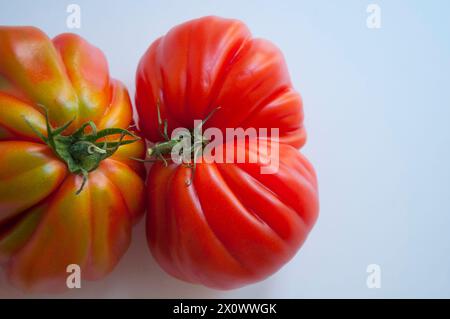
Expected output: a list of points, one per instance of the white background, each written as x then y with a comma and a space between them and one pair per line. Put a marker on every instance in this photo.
377, 113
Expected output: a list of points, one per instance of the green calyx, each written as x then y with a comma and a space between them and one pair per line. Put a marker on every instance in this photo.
196, 143
81, 151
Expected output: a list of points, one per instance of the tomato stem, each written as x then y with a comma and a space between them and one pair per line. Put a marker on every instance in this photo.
81, 151
197, 143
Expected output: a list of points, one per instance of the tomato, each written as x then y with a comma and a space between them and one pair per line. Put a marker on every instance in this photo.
63, 122
223, 224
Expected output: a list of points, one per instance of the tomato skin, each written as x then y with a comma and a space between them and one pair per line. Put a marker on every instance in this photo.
214, 62
44, 225
233, 225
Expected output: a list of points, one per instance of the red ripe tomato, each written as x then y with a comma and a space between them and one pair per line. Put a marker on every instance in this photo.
230, 225
45, 226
